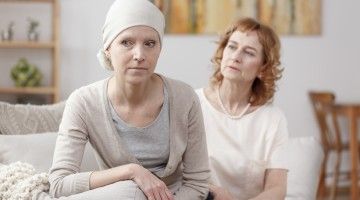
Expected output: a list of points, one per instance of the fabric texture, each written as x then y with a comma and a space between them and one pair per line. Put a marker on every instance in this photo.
149, 144
124, 14
303, 157
240, 150
25, 119
121, 190
37, 150
87, 117
20, 181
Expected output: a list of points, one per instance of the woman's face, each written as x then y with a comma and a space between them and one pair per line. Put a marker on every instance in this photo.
242, 57
134, 53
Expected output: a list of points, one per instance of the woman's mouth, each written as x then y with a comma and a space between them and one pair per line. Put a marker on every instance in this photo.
137, 68
234, 68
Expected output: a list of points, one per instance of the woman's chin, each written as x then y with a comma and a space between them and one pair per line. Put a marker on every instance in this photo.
232, 77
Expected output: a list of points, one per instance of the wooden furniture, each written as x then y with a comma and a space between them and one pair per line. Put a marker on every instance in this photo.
51, 90
352, 112
327, 113
330, 138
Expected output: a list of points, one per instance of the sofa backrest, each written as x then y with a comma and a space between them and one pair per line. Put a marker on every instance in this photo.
25, 119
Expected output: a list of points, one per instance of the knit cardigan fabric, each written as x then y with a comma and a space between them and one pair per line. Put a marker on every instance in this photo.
87, 117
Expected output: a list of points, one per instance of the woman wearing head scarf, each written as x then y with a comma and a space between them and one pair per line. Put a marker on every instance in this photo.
146, 129
243, 129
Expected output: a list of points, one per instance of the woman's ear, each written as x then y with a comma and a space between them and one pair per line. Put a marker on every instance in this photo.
107, 53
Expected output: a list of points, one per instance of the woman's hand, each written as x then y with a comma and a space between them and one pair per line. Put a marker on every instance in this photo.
153, 188
220, 193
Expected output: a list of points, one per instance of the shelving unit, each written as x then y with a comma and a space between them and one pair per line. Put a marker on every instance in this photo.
53, 89
27, 45
27, 1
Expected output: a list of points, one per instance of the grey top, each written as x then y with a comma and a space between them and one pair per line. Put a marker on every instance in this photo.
149, 144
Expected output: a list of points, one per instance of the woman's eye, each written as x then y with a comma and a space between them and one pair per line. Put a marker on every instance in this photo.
232, 47
150, 44
126, 43
250, 53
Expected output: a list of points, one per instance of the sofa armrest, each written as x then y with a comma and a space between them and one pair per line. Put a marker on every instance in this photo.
303, 157
38, 150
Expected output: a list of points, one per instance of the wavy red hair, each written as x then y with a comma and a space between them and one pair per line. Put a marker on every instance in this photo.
263, 87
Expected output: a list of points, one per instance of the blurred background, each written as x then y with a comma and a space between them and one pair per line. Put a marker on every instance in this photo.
323, 61
60, 41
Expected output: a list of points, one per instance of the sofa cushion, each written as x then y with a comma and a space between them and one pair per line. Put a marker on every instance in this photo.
303, 157
25, 119
38, 150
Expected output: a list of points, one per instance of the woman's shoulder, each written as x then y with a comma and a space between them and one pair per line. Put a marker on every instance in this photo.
182, 95
270, 110
205, 93
200, 93
88, 91
176, 84
179, 88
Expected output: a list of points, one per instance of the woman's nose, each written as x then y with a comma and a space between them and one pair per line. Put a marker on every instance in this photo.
236, 56
138, 54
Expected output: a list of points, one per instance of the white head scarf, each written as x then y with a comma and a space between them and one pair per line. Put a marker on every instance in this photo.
124, 14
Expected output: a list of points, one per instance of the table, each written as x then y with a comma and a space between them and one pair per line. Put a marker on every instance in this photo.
352, 112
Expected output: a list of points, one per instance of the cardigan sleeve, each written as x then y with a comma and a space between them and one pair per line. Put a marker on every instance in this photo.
64, 176
196, 171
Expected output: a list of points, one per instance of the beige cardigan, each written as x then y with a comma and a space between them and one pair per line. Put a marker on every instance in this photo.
87, 117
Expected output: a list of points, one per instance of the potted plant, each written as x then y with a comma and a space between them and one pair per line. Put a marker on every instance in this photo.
33, 33
25, 74
8, 34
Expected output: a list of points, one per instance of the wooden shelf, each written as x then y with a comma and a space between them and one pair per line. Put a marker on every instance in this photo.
26, 44
26, 1
27, 90
53, 46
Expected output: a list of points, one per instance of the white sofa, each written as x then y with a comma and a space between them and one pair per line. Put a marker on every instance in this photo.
28, 134
303, 157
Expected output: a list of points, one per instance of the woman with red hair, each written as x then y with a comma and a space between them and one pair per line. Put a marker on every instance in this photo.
243, 128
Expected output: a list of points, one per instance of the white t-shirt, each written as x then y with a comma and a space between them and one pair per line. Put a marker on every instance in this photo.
240, 150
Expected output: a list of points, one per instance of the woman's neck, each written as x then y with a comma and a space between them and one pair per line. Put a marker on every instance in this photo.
234, 96
130, 94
